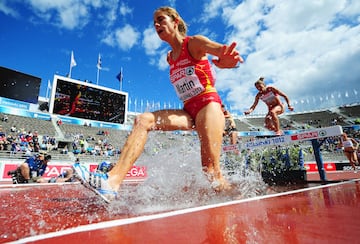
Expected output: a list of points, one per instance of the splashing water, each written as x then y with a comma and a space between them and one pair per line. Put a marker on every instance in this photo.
176, 181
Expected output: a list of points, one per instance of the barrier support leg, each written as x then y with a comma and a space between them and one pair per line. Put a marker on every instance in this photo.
319, 162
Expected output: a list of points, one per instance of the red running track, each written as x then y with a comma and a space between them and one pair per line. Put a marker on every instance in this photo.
323, 214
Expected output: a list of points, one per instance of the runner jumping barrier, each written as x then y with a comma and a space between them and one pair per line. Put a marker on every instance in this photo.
298, 136
306, 135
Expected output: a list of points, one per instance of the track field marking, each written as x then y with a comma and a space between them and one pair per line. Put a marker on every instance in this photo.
120, 222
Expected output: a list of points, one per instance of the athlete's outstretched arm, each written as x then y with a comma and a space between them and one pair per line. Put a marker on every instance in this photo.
228, 56
291, 108
253, 106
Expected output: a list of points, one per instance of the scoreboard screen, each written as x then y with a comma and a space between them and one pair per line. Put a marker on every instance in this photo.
19, 86
87, 101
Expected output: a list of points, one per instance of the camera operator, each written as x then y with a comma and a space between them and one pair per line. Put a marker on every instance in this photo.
32, 170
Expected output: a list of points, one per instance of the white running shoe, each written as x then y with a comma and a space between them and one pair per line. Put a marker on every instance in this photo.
97, 182
82, 172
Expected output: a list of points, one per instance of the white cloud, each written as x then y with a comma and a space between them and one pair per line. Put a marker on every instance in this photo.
8, 10
213, 9
75, 17
156, 48
306, 48
109, 39
162, 63
126, 37
151, 41
67, 14
110, 15
125, 10
62, 13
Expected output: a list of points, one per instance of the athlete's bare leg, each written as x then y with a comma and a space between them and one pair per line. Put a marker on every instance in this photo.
209, 124
166, 120
269, 124
274, 113
351, 156
233, 135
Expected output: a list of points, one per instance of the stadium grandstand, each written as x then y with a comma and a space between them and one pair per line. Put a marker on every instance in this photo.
69, 132
110, 140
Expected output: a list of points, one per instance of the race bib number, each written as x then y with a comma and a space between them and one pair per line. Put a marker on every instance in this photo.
189, 85
268, 97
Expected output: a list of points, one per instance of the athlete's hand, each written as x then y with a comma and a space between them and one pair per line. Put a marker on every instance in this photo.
249, 111
228, 57
291, 108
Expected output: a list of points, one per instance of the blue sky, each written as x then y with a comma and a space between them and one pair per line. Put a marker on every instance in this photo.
308, 49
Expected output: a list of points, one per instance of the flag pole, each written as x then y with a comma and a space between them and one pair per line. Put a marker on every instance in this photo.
98, 69
70, 71
97, 76
121, 78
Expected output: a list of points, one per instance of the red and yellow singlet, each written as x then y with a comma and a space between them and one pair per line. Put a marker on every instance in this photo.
193, 80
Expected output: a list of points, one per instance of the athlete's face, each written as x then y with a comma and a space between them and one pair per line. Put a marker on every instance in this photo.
164, 25
260, 87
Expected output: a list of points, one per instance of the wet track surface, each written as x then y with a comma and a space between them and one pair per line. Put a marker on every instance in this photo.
32, 210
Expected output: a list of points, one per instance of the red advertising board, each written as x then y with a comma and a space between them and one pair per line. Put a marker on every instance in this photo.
312, 166
53, 170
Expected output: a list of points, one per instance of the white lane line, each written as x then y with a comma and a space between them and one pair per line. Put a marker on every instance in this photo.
120, 222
